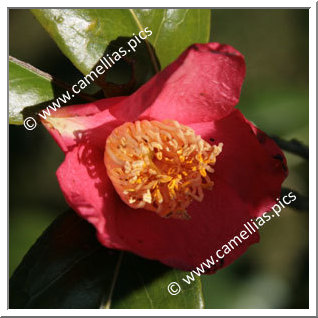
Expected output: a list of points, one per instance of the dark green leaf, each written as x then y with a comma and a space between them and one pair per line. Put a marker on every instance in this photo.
31, 90
27, 87
83, 35
68, 268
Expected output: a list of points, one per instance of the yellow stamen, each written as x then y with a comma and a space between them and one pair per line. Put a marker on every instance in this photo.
160, 166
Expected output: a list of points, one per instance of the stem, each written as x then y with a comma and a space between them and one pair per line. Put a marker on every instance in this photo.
294, 146
116, 272
150, 51
301, 203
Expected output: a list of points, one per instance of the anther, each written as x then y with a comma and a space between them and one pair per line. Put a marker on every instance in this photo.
160, 166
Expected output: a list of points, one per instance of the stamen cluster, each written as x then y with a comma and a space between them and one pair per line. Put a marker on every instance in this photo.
160, 166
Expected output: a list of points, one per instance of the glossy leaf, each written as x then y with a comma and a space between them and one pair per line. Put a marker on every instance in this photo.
83, 35
27, 87
68, 268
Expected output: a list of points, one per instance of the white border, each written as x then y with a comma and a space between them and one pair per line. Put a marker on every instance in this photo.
313, 159
312, 165
164, 4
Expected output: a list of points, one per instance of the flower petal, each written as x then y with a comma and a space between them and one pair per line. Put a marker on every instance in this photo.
184, 244
203, 84
71, 125
87, 189
177, 243
250, 162
88, 109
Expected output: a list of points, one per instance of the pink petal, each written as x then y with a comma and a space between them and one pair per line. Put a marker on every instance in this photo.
249, 162
178, 243
203, 84
74, 125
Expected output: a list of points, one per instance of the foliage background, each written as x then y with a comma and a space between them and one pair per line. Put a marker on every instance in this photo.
273, 273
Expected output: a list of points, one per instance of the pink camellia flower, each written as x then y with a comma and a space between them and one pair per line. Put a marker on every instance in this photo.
173, 171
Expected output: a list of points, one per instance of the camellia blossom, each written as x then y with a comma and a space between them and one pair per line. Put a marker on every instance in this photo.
173, 171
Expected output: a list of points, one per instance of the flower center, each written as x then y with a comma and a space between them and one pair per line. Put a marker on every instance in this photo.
159, 166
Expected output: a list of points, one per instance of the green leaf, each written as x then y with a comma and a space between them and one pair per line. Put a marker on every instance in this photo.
27, 87
68, 268
83, 35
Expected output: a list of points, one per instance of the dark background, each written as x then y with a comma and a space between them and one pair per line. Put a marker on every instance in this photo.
273, 273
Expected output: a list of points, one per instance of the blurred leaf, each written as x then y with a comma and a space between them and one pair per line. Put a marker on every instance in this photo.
26, 88
68, 268
84, 34
277, 111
